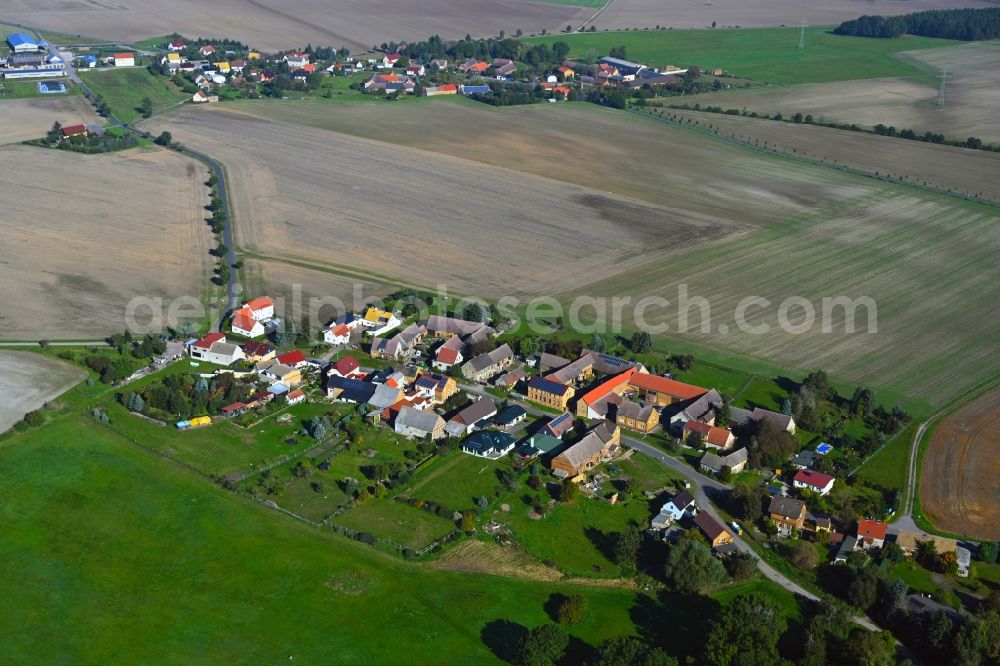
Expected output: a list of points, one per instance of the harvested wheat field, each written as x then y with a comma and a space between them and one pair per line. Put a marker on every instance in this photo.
32, 117
747, 13
87, 233
28, 381
584, 144
928, 264
958, 482
972, 96
972, 172
285, 24
402, 215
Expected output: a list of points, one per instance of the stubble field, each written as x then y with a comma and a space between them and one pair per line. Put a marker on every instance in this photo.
398, 214
973, 172
958, 482
590, 146
927, 264
972, 96
28, 381
273, 25
648, 13
87, 233
31, 118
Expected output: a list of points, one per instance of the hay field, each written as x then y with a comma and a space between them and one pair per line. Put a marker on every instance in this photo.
594, 147
973, 172
86, 233
958, 480
399, 214
972, 95
929, 265
284, 24
31, 118
745, 13
28, 381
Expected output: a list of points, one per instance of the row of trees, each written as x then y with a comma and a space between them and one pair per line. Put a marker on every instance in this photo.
964, 24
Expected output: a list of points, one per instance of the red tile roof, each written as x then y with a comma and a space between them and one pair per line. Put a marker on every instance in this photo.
292, 395
260, 303
811, 477
341, 330
257, 348
243, 319
346, 365
448, 87
718, 436
73, 130
607, 387
448, 355
292, 358
670, 387
209, 340
698, 427
122, 56
869, 530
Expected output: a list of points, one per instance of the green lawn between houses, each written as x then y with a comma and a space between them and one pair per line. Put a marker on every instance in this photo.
396, 521
763, 54
124, 89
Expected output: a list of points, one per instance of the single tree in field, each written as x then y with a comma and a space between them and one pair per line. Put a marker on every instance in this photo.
146, 107
542, 646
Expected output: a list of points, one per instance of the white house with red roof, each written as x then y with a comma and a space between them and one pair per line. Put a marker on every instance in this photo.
207, 50
337, 334
345, 367
810, 479
295, 396
261, 308
294, 358
176, 45
447, 356
297, 60
243, 323
871, 533
391, 59
213, 348
124, 60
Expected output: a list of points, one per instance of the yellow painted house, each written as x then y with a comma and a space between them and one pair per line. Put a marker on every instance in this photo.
224, 67
253, 55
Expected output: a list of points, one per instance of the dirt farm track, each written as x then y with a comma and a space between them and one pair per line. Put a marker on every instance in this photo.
959, 492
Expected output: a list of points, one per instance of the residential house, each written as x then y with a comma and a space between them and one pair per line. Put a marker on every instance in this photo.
743, 417
416, 70
295, 397
385, 395
255, 352
549, 393
789, 514
599, 443
810, 479
345, 367
473, 66
213, 348
74, 130
443, 89
586, 366
510, 416
435, 387
199, 97
735, 461
398, 346
539, 444
417, 423
439, 64
261, 308
804, 459
207, 50
344, 389
294, 358
279, 372
124, 60
871, 533
714, 532
707, 435
472, 416
509, 380
390, 83
662, 391
447, 355
681, 505
391, 59
963, 556
297, 60
176, 45
627, 69
484, 366
337, 334
560, 425
636, 416
490, 444
243, 323
847, 546
565, 73
379, 321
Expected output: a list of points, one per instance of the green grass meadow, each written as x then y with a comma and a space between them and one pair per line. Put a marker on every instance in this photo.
763, 54
124, 89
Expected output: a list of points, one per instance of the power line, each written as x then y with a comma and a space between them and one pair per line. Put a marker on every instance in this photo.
944, 76
802, 33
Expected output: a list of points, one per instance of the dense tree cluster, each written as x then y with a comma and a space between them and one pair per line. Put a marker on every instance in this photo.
964, 24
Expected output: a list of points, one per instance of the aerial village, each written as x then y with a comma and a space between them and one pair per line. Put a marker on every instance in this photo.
448, 378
